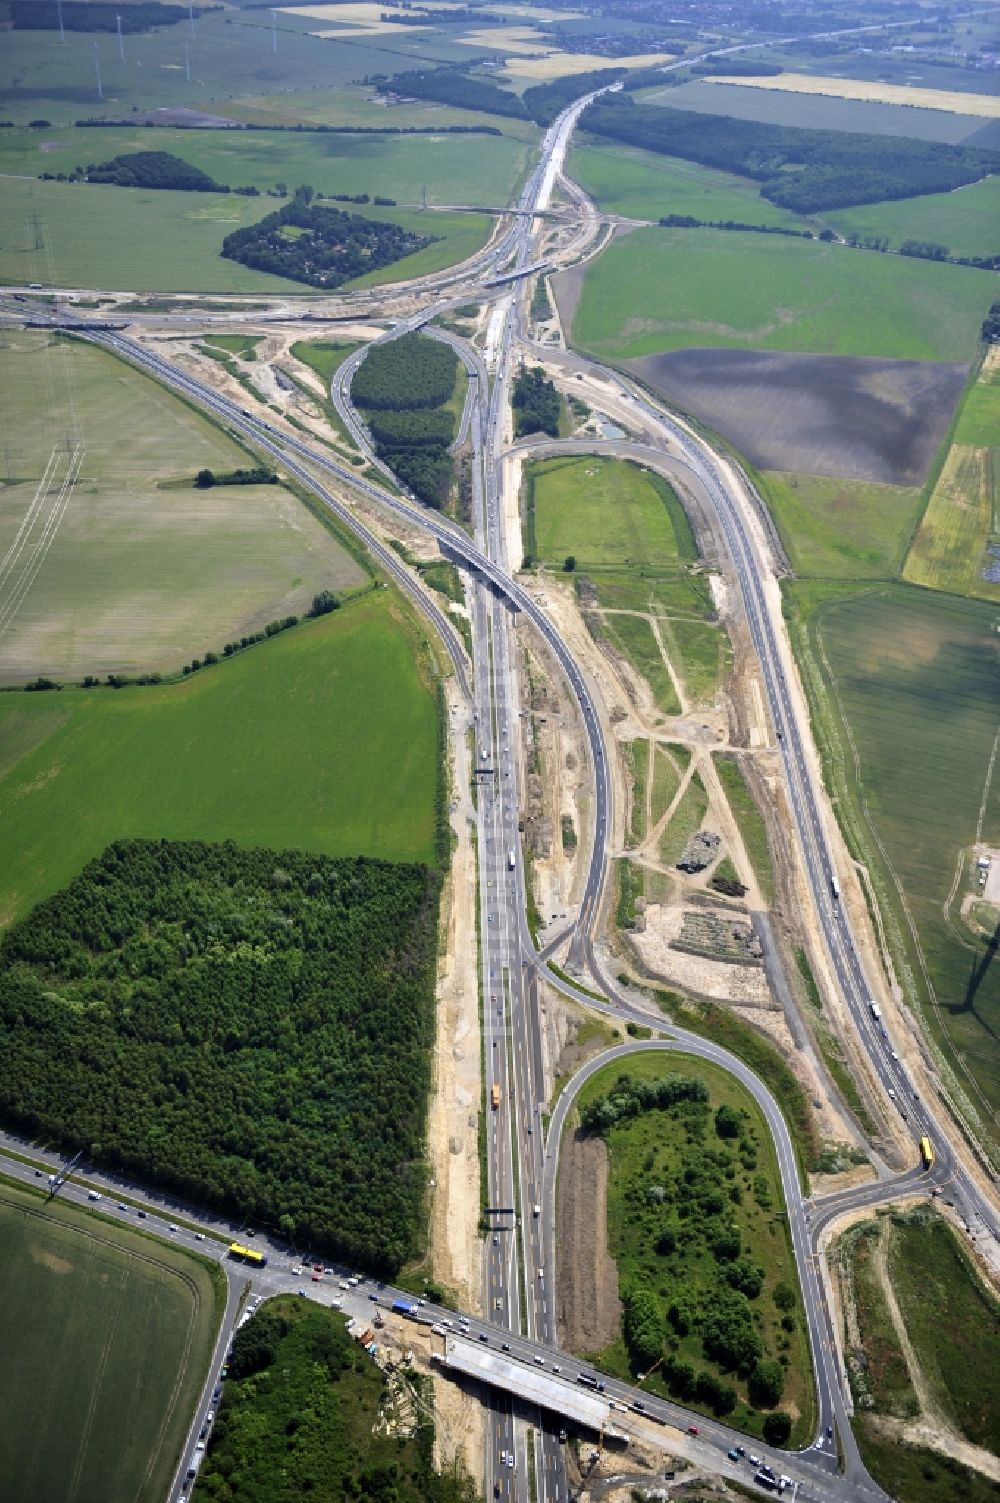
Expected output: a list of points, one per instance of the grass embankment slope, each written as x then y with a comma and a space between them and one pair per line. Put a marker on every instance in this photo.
106, 1337
323, 738
130, 578
658, 290
676, 1189
925, 1365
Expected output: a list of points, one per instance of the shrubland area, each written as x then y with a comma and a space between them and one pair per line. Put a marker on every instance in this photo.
906, 1280
250, 1028
304, 1410
83, 1296
406, 390
696, 1225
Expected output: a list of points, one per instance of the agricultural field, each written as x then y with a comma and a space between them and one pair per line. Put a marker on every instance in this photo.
920, 1257
642, 185
231, 56
859, 419
82, 1298
164, 241
949, 551
816, 111
348, 767
903, 685
128, 579
696, 1226
964, 220
455, 169
358, 106
874, 91
841, 529
955, 545
658, 290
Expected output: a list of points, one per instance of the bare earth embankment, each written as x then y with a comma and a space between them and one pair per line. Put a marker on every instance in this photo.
588, 1310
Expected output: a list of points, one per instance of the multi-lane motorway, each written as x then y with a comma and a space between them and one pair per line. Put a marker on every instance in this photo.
519, 1266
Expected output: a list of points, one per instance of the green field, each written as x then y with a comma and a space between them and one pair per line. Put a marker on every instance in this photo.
979, 419
356, 106
455, 169
162, 241
841, 529
606, 513
965, 220
709, 1183
659, 290
131, 578
230, 57
702, 655
324, 738
642, 185
916, 678
106, 1337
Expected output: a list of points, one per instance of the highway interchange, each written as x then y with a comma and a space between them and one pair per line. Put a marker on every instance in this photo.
520, 1263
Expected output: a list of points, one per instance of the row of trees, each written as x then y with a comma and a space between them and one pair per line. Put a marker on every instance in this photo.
257, 475
322, 247
689, 222
536, 404
803, 170
249, 1028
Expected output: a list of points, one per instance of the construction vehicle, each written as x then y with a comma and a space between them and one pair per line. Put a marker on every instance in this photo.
495, 1097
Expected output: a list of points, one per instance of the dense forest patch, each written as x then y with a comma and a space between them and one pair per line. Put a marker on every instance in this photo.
803, 170
402, 386
153, 169
536, 404
322, 247
251, 1028
301, 1415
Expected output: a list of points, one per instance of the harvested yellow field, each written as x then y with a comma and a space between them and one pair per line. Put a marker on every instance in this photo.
947, 552
520, 39
536, 12
361, 20
563, 64
949, 100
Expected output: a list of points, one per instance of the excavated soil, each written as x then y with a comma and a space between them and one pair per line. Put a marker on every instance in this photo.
589, 1310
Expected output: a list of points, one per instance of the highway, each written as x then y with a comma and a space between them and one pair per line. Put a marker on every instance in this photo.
521, 1159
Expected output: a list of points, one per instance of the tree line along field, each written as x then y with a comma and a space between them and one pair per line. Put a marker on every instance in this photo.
106, 1337
324, 738
697, 1228
905, 681
952, 1326
669, 289
129, 581
250, 1028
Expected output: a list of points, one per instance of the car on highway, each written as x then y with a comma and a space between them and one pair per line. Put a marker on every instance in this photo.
693, 1430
